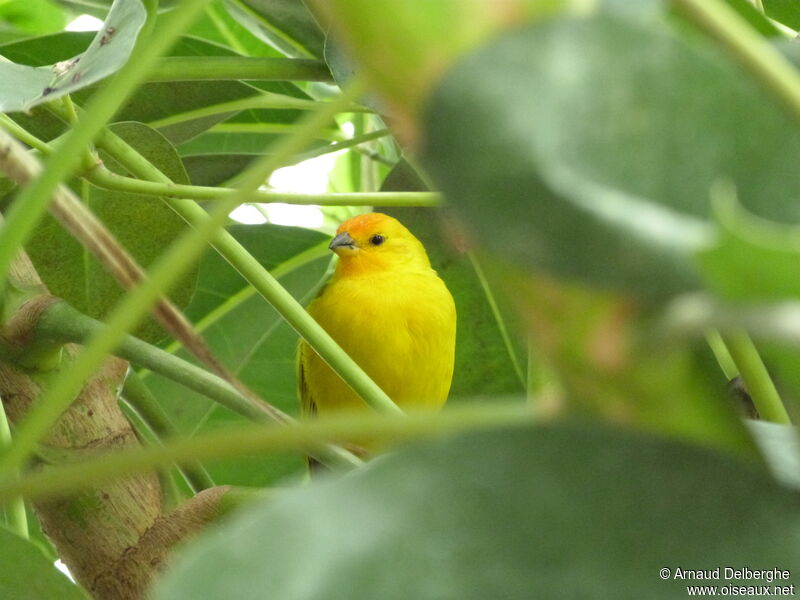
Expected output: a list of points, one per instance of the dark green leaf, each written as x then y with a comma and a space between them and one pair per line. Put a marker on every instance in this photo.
784, 11
142, 224
483, 364
252, 340
595, 161
26, 574
25, 87
549, 512
286, 25
215, 169
47, 49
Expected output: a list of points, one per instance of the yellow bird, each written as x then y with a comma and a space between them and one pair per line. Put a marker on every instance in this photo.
390, 311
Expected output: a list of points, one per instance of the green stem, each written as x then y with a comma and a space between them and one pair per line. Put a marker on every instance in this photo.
150, 412
498, 318
263, 128
755, 53
16, 517
292, 264
262, 100
721, 353
33, 199
137, 303
342, 145
23, 135
254, 439
194, 68
756, 378
106, 179
253, 271
63, 323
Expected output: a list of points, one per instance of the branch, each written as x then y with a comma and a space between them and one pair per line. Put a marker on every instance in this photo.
63, 323
251, 439
194, 68
102, 177
87, 229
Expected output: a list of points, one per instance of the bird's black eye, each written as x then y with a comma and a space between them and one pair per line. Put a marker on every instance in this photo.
377, 240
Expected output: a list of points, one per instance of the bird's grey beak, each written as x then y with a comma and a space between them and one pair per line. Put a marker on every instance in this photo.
342, 241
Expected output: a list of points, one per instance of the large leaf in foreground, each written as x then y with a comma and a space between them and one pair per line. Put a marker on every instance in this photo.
28, 575
582, 148
250, 339
547, 512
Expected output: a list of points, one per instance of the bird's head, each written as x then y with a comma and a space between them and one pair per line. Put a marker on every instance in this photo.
375, 241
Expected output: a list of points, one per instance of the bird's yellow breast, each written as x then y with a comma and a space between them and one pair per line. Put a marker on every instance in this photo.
398, 326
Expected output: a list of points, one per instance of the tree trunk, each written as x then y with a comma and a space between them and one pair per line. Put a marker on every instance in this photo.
113, 537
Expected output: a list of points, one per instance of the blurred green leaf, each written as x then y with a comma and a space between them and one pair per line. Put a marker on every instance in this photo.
25, 87
784, 11
249, 338
33, 16
483, 364
142, 224
752, 259
28, 575
581, 147
286, 25
403, 47
548, 512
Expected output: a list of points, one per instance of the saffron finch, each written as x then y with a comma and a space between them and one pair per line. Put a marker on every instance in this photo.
389, 310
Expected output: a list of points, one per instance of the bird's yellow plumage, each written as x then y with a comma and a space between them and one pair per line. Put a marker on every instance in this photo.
390, 311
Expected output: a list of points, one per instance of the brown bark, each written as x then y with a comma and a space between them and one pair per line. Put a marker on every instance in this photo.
113, 537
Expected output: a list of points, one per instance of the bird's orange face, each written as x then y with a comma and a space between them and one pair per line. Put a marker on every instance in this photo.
374, 241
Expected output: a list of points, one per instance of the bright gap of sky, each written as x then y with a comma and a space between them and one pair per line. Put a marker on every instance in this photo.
84, 23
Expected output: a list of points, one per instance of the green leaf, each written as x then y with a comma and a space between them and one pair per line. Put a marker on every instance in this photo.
400, 46
752, 259
783, 11
33, 16
549, 512
216, 169
142, 224
27, 574
755, 17
286, 25
25, 87
218, 26
47, 49
581, 148
250, 339
483, 364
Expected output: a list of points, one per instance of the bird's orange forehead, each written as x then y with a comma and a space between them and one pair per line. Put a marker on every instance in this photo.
364, 224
